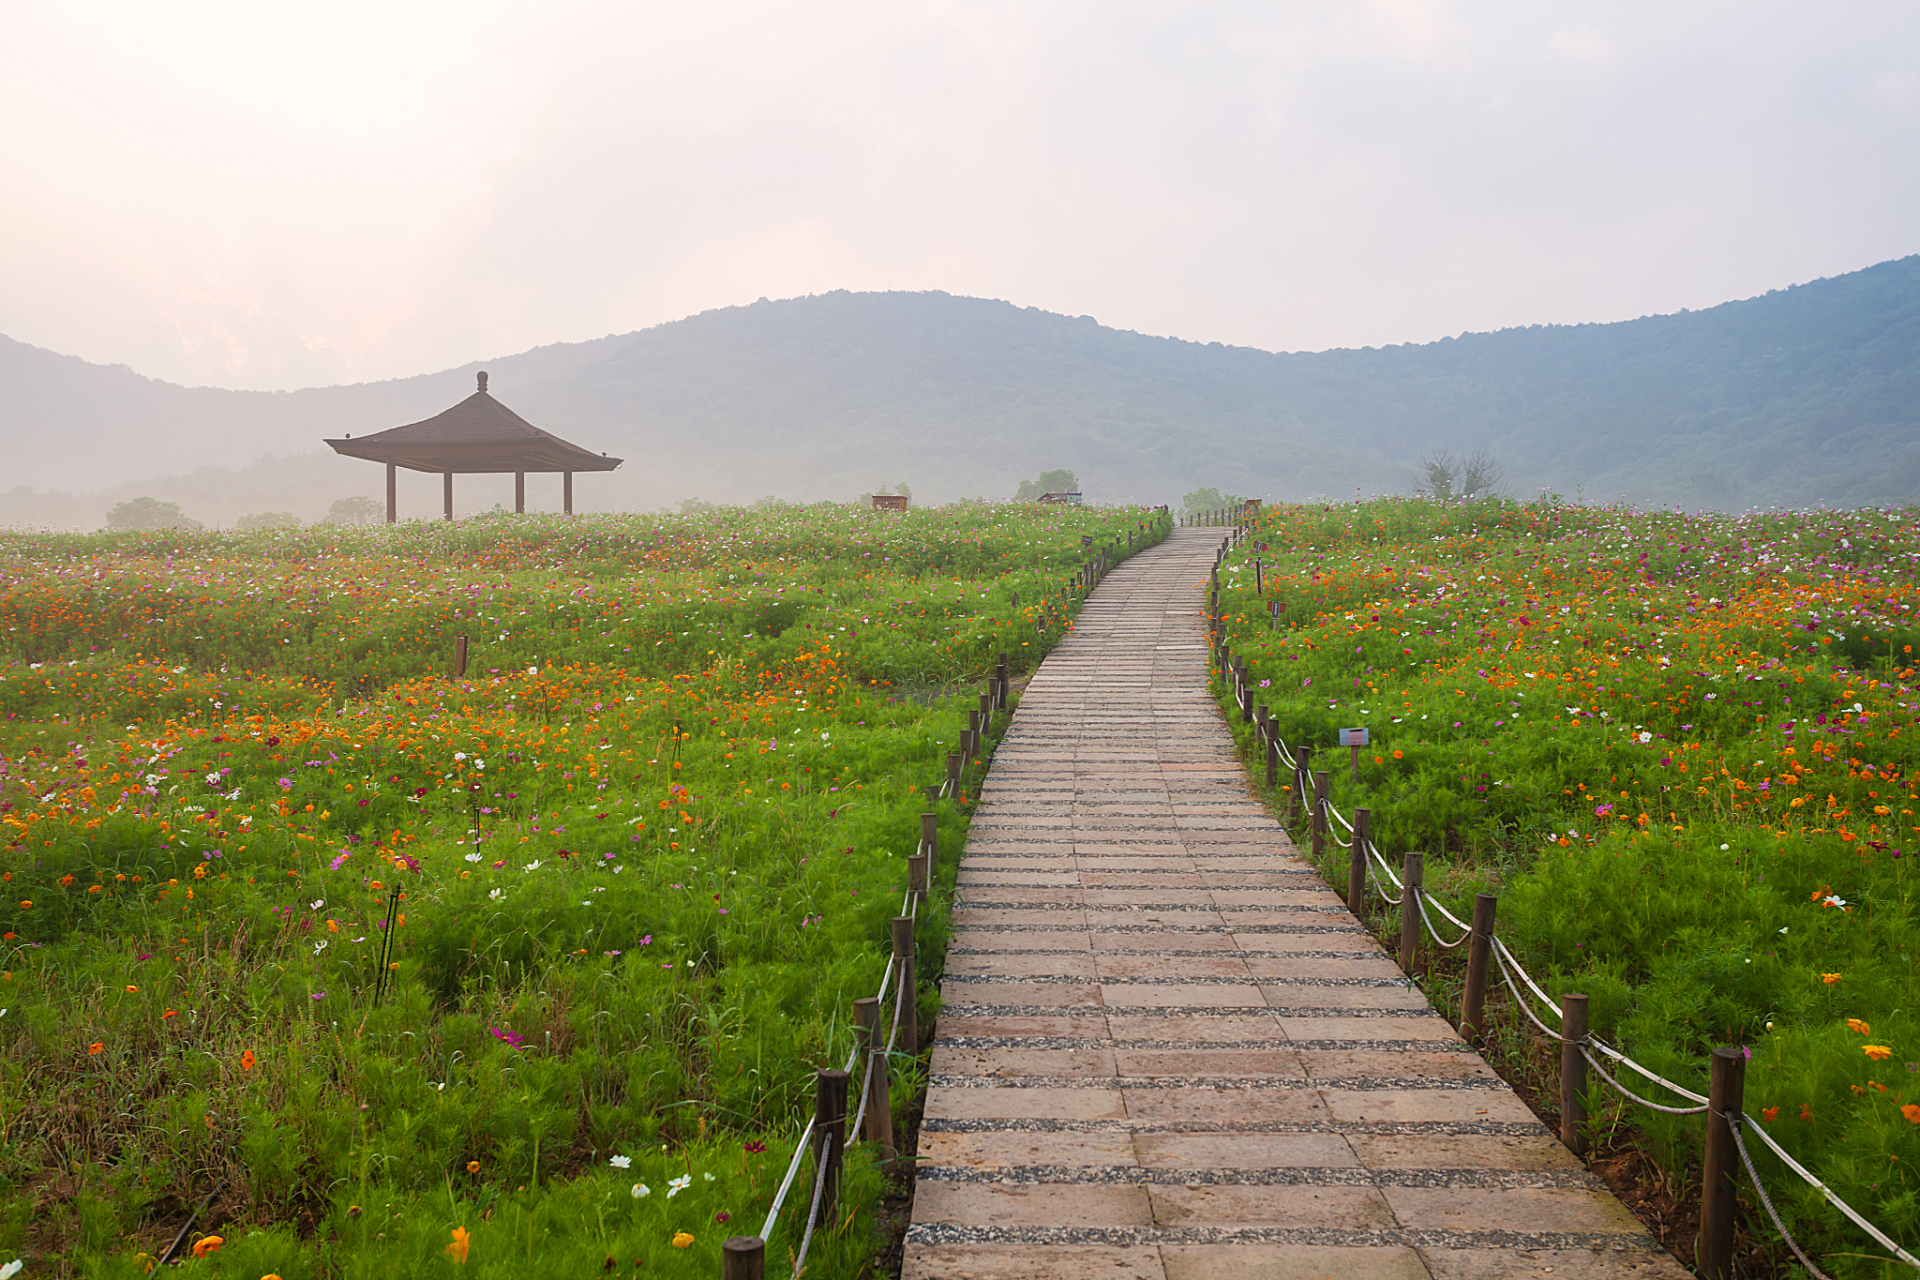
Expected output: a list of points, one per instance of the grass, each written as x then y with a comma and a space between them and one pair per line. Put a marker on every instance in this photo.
621, 880
1680, 748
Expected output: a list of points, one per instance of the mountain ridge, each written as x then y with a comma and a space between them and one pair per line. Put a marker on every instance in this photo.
1803, 394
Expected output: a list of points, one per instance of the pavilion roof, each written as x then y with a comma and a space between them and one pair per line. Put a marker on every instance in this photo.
477, 435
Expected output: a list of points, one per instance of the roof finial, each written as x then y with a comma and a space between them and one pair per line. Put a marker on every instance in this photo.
483, 379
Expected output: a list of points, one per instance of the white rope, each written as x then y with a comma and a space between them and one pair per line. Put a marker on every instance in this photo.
1441, 907
1335, 836
1837, 1202
1420, 900
899, 1004
780, 1197
1336, 815
1519, 999
1631, 1065
1385, 866
813, 1211
1753, 1176
1631, 1096
1500, 948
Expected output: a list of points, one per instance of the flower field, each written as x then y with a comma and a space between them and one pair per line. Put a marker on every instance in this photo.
523, 972
1682, 751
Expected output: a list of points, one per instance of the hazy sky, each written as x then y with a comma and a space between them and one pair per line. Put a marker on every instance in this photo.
265, 194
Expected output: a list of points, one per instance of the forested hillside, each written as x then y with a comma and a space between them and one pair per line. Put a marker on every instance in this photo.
1803, 396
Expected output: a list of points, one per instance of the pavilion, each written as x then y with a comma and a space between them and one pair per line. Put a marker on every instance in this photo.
478, 435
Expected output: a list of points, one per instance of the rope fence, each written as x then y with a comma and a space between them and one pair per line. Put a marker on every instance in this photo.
1304, 797
828, 1133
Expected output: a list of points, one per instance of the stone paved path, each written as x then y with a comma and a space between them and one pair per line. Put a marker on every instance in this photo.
1167, 1050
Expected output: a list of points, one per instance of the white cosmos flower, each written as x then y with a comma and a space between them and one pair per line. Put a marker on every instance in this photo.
641, 1191
676, 1185
621, 1162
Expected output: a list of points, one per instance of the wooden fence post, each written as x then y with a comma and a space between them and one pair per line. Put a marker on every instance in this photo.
1246, 695
873, 1077
743, 1258
1720, 1168
917, 877
1409, 910
829, 1138
953, 773
929, 837
1573, 1073
904, 984
459, 655
1473, 1002
1357, 864
1320, 785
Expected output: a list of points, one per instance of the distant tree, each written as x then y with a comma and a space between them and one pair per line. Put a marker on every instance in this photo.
358, 509
1447, 475
694, 506
1207, 500
1437, 474
149, 513
268, 520
1481, 475
1061, 481
769, 502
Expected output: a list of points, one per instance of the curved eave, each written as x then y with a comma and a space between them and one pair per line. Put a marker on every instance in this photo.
463, 459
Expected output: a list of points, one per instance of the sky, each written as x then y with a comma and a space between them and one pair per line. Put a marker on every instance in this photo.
267, 195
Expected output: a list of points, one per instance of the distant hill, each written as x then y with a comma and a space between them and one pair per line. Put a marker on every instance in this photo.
1807, 395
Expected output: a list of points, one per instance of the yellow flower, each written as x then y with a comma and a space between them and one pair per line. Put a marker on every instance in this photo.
683, 1239
458, 1249
1879, 1051
1854, 1024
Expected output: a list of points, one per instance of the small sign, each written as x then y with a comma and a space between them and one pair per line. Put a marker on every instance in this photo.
1353, 737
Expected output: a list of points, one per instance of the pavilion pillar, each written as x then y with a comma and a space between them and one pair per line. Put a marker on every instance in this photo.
393, 492
446, 492
566, 492
519, 493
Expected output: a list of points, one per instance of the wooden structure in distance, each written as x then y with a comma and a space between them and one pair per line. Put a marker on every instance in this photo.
890, 501
477, 436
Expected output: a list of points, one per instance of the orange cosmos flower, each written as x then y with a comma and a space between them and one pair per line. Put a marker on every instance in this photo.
206, 1245
1829, 978
1878, 1052
458, 1249
1769, 1114
98, 1046
247, 1060
1854, 1024
1911, 1112
683, 1240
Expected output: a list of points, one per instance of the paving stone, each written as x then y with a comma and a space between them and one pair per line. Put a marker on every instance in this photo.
1290, 1262
1012, 1148
1212, 1151
1341, 1208
1032, 1262
1552, 1264
1166, 1052
1031, 1204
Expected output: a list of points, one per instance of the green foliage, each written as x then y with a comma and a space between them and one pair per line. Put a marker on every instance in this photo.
1679, 748
267, 520
357, 509
633, 868
1060, 481
1201, 501
149, 513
